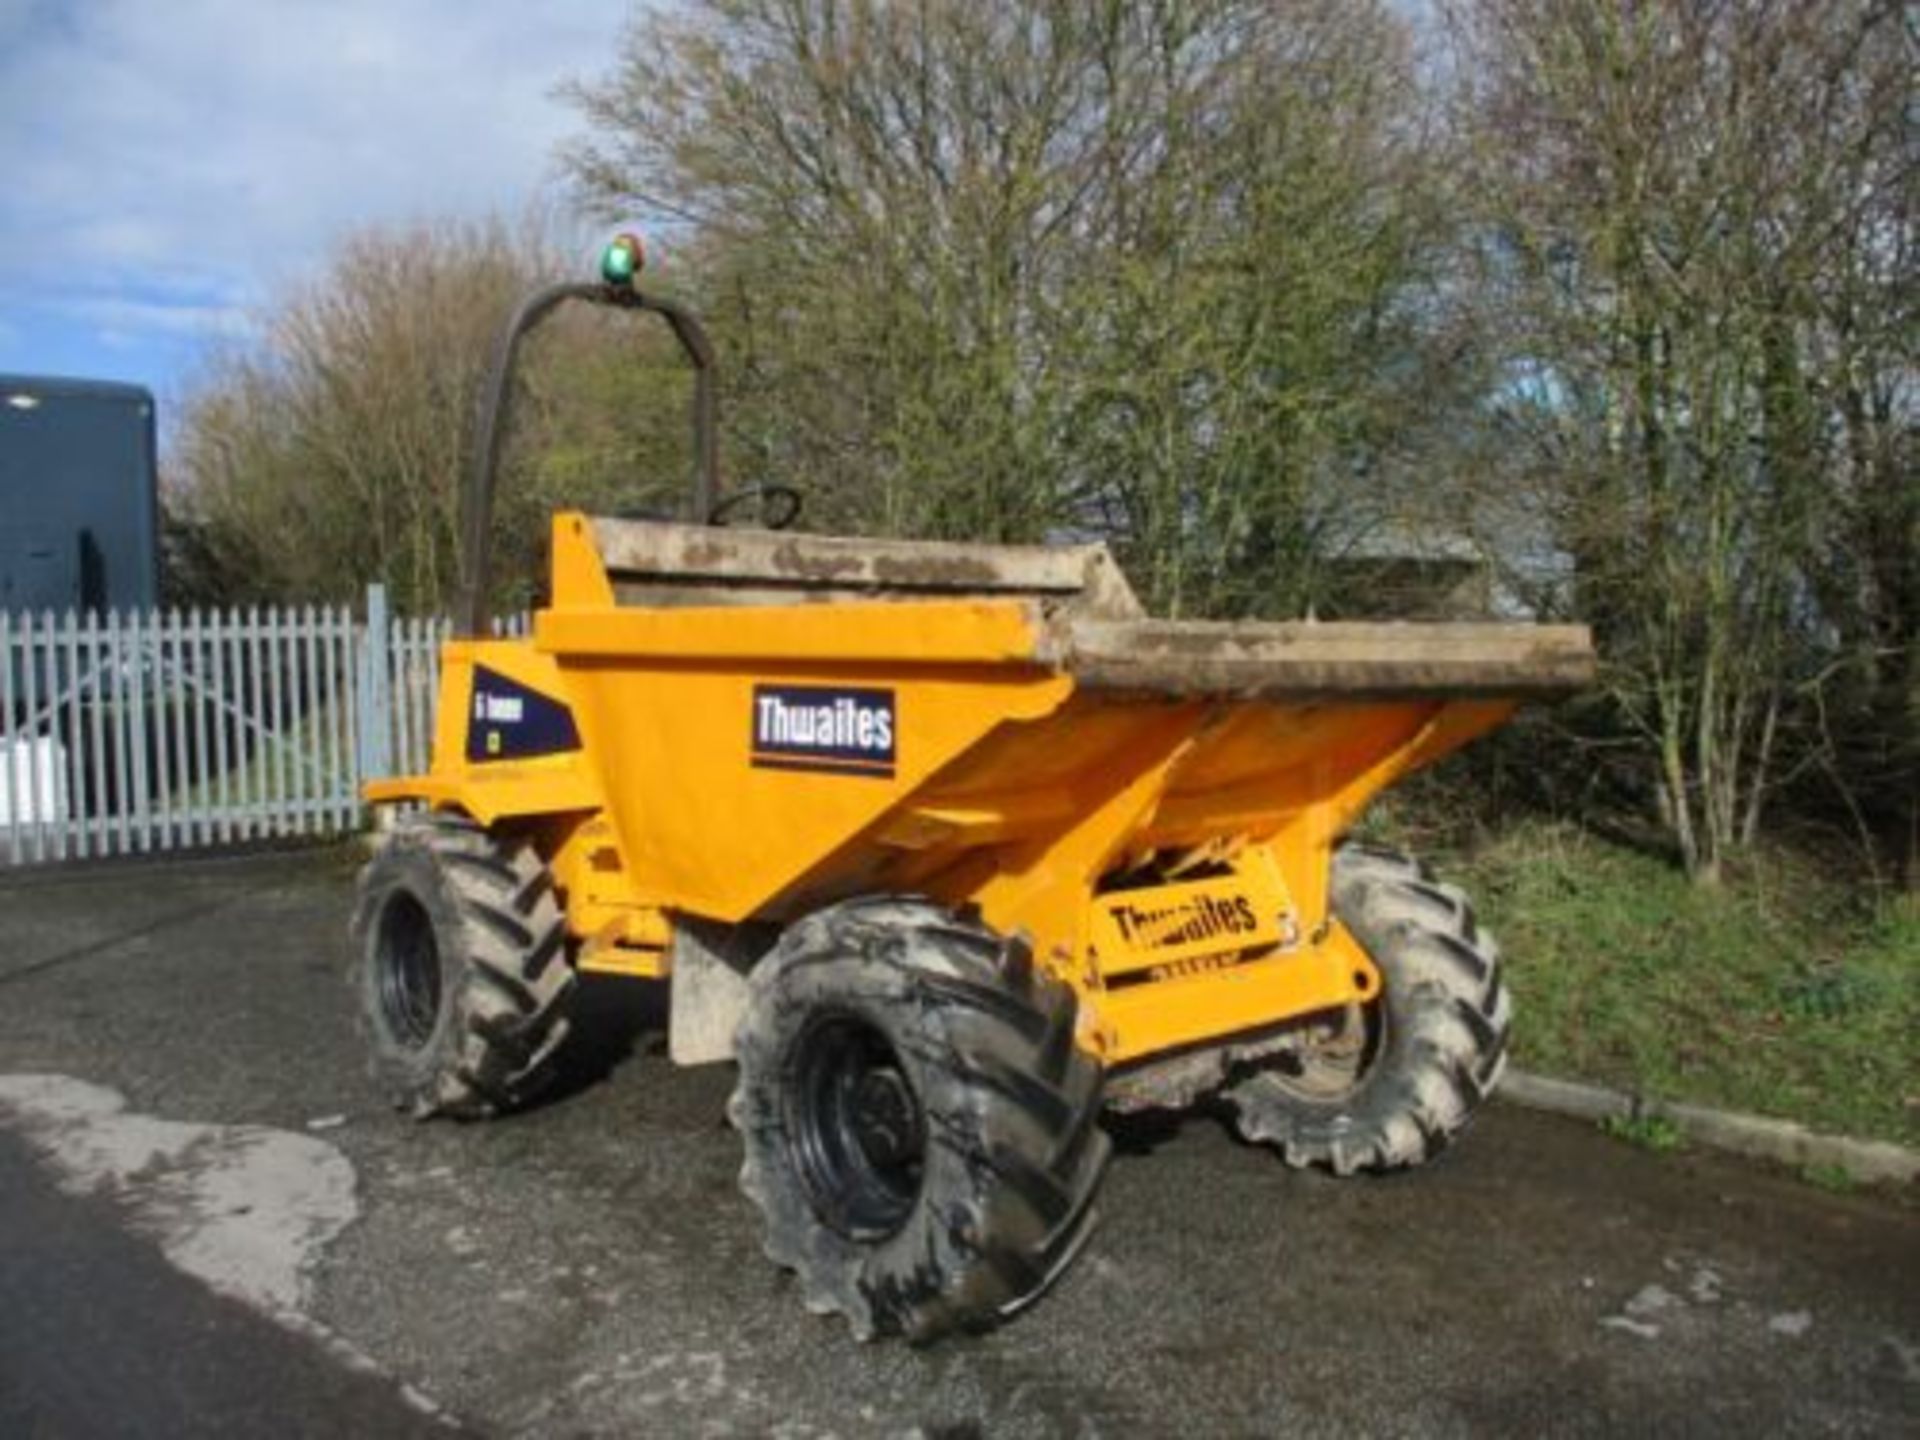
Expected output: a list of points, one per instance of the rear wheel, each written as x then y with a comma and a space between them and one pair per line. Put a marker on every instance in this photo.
1388, 1084
460, 967
921, 1135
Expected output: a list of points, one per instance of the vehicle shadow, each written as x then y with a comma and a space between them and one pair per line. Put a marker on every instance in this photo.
1141, 1132
613, 1018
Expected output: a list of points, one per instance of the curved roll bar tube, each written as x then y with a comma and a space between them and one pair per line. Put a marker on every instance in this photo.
476, 511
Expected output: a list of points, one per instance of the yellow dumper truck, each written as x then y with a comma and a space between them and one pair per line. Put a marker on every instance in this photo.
948, 848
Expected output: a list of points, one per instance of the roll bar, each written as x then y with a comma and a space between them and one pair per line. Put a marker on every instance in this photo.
476, 513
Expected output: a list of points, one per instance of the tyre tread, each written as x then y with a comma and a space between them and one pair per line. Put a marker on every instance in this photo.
513, 988
997, 1032
1450, 997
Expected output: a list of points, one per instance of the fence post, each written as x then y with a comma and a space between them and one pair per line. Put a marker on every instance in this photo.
375, 709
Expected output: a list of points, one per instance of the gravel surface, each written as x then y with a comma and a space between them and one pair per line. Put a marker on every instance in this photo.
590, 1269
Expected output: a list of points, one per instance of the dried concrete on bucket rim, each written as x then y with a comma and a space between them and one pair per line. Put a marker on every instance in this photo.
1088, 621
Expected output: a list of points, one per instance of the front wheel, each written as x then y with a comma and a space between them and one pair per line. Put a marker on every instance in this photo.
921, 1135
1389, 1084
460, 968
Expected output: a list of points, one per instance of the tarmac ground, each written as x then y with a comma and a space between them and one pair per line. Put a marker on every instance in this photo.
184, 1105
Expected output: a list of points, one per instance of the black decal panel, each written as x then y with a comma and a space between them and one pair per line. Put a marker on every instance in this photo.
510, 722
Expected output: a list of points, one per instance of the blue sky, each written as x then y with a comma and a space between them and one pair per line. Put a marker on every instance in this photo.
165, 164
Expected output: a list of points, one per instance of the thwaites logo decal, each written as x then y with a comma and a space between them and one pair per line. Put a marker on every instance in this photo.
1191, 927
1205, 917
511, 722
830, 729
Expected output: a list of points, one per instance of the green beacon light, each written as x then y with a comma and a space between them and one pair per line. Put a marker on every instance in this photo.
621, 260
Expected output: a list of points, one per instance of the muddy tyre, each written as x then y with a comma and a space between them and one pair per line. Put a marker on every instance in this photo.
460, 968
921, 1136
1389, 1084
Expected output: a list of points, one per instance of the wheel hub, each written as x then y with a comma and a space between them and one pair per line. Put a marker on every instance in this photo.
886, 1118
406, 963
856, 1128
1330, 1058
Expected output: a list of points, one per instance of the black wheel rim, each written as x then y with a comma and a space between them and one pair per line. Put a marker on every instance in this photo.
1337, 1055
856, 1127
406, 964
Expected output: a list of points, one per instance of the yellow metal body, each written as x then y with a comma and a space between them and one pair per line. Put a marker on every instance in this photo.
1011, 788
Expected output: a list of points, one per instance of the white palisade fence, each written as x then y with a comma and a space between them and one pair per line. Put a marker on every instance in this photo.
152, 731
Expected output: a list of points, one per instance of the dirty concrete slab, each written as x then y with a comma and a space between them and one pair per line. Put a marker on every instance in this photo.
245, 1209
589, 1268
101, 1337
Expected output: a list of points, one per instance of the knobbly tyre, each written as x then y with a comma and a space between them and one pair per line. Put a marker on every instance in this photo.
948, 848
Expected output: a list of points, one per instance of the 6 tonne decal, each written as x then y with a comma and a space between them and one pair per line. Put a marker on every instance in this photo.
832, 729
510, 722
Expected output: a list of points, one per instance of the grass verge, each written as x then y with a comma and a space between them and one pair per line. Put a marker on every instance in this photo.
1786, 993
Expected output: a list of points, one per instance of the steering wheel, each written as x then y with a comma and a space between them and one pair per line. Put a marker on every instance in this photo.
781, 505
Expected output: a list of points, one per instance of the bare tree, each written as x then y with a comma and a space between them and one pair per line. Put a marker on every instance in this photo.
1666, 193
332, 450
998, 269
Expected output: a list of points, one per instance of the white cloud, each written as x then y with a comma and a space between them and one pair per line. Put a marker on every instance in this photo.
178, 158
132, 316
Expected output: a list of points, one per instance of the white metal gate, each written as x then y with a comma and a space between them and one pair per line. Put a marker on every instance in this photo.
155, 731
